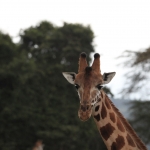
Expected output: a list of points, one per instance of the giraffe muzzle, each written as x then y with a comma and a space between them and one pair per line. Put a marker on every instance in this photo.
84, 112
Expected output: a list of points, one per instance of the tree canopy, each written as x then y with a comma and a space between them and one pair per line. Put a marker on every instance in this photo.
138, 79
36, 102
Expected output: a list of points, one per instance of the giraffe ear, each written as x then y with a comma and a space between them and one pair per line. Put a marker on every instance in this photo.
70, 76
107, 77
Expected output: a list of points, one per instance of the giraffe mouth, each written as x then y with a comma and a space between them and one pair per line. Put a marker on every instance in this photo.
84, 115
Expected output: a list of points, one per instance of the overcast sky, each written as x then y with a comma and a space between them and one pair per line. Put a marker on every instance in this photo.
118, 25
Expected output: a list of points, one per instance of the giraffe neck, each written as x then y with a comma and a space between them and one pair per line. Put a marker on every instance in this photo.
115, 131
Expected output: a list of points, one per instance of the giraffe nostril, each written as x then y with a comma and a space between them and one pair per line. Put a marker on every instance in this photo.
85, 107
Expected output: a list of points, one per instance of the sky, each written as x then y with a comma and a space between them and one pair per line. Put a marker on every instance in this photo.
118, 25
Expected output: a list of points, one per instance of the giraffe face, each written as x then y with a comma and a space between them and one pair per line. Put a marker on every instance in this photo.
88, 85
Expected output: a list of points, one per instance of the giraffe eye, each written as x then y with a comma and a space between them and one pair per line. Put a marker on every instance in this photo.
77, 86
99, 86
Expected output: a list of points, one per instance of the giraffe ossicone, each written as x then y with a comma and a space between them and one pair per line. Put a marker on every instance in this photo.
115, 131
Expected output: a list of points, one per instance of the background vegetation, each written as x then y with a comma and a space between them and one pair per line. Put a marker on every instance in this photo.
138, 81
36, 102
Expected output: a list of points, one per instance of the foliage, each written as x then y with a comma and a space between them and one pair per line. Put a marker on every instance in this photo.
139, 111
36, 102
138, 75
108, 91
138, 63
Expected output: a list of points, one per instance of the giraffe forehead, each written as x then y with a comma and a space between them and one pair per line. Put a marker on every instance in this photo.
88, 79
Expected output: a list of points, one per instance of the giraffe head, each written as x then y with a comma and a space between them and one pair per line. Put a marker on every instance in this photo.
88, 83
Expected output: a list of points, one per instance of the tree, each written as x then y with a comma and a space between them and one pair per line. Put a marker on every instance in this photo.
7, 80
138, 75
37, 103
139, 111
138, 82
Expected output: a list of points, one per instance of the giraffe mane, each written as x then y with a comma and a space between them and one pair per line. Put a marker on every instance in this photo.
127, 126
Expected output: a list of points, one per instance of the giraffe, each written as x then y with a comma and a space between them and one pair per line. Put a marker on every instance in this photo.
38, 145
114, 129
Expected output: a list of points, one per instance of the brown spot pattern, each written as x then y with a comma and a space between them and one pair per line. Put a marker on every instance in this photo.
97, 108
114, 146
103, 111
118, 145
120, 142
107, 103
97, 117
120, 126
130, 141
106, 131
112, 117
